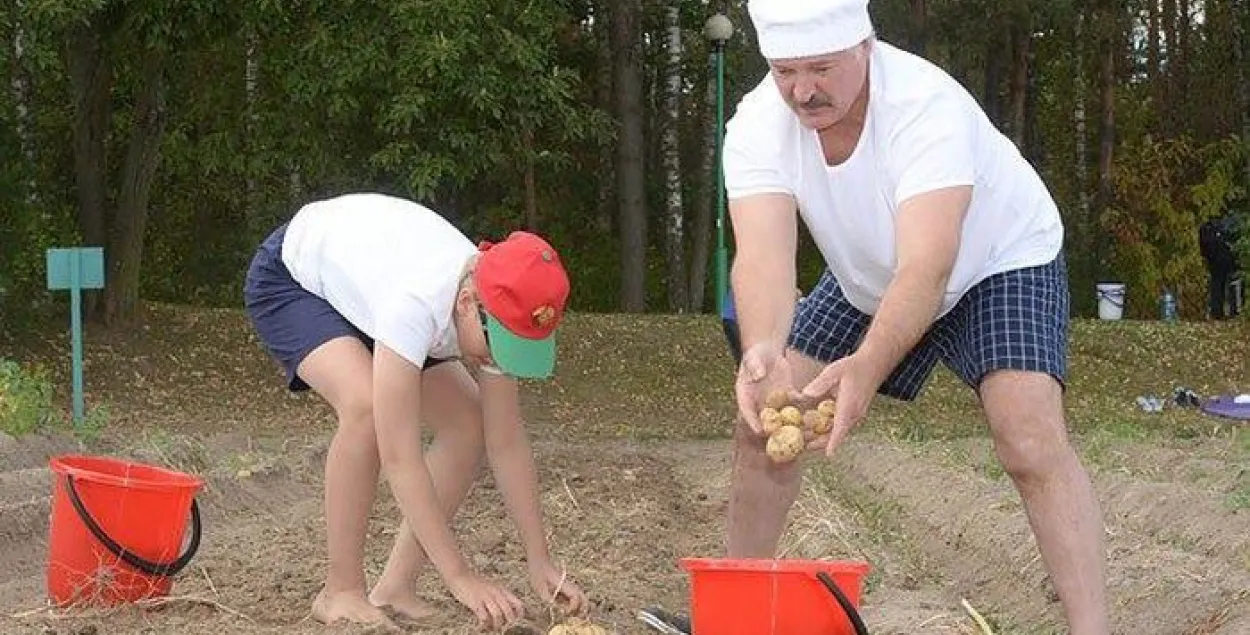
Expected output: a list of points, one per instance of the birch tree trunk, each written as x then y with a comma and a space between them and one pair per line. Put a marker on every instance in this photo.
1241, 53
674, 211
251, 72
701, 247
24, 107
1078, 123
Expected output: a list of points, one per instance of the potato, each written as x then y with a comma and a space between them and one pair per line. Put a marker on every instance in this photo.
817, 422
791, 416
826, 408
777, 399
577, 626
785, 444
770, 419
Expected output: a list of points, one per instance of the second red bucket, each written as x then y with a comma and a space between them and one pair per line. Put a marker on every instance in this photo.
117, 529
771, 597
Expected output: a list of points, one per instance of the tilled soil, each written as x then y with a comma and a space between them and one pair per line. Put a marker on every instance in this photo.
622, 514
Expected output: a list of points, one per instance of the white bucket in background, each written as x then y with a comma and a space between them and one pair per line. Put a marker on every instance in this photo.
1110, 300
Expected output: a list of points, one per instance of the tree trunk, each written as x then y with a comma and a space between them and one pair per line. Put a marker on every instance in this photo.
91, 83
529, 179
1021, 46
604, 99
993, 76
1107, 52
121, 295
919, 27
631, 154
1078, 125
23, 102
1166, 86
251, 83
1241, 48
701, 247
675, 213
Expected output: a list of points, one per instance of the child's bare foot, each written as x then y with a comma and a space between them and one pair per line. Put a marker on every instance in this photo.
349, 606
403, 601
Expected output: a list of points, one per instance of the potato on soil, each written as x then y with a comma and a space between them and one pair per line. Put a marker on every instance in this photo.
786, 444
577, 626
777, 399
770, 419
826, 408
817, 422
791, 416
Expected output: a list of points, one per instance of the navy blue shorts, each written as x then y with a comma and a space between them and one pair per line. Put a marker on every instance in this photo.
291, 321
1013, 320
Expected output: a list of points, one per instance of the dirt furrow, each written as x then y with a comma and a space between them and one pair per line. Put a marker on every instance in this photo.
975, 533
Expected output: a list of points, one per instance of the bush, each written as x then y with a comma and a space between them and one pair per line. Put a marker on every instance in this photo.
25, 399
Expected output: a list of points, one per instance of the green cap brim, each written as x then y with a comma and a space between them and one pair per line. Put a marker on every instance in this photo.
518, 356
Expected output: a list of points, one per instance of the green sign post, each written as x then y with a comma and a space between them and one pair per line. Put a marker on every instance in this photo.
75, 269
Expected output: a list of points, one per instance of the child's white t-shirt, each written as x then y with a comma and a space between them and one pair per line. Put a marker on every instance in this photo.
923, 132
390, 266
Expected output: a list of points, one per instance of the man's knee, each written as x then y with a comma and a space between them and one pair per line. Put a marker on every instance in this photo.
1025, 413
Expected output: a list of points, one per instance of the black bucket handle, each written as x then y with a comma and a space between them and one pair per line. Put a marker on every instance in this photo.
844, 602
146, 566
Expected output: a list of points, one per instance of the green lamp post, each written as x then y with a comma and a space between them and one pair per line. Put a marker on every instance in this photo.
718, 30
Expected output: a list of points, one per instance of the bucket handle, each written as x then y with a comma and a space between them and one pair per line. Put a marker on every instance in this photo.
844, 602
146, 566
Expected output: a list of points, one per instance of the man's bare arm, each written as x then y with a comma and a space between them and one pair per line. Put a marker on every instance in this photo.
766, 238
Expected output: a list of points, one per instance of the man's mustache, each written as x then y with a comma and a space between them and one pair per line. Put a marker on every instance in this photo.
816, 102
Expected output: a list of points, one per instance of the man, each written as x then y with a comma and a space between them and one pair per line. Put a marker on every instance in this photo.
1217, 239
942, 243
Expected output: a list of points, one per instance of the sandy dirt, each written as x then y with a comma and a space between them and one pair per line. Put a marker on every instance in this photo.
936, 521
622, 515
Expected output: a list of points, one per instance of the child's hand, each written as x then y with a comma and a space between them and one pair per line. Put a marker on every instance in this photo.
494, 605
552, 584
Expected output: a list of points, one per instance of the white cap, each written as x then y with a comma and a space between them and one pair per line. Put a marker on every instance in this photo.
803, 28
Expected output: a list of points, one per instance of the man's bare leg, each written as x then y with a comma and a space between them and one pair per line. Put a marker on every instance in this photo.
760, 491
1025, 413
341, 372
450, 408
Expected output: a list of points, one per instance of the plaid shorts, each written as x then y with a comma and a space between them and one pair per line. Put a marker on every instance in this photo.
1012, 320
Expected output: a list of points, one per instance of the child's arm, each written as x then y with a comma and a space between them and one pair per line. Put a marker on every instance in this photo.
396, 415
512, 461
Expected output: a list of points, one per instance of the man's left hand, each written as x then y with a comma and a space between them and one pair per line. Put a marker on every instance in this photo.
553, 585
850, 383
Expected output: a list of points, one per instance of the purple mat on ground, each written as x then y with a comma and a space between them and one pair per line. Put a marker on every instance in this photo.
1228, 406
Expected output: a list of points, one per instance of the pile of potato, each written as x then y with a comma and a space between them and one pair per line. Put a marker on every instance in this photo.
577, 626
786, 425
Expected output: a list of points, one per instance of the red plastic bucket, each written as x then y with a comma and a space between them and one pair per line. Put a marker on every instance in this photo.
771, 597
116, 530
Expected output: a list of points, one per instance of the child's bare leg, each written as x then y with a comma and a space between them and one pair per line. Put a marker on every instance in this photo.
449, 407
340, 371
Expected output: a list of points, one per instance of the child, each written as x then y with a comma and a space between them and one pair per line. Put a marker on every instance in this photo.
377, 303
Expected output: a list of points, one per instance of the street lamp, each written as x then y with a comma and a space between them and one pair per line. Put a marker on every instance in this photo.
717, 30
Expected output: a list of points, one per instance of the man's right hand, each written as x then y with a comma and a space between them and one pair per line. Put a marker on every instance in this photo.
763, 368
495, 606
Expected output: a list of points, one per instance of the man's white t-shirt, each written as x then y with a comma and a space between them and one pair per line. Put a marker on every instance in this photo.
923, 132
390, 266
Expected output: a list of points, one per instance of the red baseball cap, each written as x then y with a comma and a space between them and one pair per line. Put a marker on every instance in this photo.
524, 290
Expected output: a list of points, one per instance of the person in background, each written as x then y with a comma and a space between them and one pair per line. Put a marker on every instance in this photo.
1217, 240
